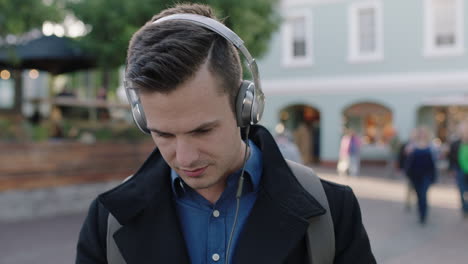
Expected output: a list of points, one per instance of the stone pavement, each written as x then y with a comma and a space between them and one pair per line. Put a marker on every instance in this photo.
395, 234
50, 240
46, 202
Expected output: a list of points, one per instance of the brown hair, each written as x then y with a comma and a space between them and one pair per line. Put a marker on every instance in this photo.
163, 56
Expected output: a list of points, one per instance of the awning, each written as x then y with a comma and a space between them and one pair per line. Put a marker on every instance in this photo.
53, 54
448, 100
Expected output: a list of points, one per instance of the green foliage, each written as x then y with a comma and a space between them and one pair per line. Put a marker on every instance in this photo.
114, 22
114, 134
5, 131
21, 131
39, 133
18, 17
253, 21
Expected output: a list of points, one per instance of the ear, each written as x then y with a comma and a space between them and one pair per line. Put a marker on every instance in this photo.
244, 103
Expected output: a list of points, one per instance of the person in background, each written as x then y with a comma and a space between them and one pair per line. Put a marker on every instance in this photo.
349, 157
354, 153
303, 140
458, 164
343, 157
56, 124
394, 145
420, 166
286, 145
405, 147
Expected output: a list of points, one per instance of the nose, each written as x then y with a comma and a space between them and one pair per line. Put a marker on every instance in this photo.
186, 154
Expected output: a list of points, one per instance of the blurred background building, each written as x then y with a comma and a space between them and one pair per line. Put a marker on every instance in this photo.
378, 66
375, 67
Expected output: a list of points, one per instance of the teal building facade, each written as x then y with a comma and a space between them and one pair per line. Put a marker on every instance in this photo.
377, 66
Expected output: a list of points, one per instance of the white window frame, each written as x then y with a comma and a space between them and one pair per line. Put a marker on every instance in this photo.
287, 36
354, 55
430, 49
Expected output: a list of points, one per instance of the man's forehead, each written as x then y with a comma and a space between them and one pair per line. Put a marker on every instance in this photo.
184, 128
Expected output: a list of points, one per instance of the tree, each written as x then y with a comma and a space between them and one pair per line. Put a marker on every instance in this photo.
253, 21
17, 18
113, 23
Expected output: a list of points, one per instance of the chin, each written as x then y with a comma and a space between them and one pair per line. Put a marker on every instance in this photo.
198, 185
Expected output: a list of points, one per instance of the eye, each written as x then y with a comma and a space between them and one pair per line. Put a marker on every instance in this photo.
162, 135
203, 131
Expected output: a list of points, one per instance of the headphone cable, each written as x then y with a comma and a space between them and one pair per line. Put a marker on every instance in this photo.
240, 186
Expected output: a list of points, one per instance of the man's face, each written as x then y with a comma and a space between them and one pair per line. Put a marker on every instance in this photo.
196, 132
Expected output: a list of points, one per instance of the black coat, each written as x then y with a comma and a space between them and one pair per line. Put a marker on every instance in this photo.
420, 164
275, 230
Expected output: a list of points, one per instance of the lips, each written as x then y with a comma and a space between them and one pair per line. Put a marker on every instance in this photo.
194, 173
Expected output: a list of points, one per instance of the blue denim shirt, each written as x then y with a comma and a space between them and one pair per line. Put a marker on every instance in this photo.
207, 227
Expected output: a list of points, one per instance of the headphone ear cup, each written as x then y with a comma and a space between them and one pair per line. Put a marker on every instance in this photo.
140, 118
244, 103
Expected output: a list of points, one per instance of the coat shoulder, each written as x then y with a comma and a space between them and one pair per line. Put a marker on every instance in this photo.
91, 245
336, 192
351, 239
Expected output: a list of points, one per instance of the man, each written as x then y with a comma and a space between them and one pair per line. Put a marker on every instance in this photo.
458, 164
184, 205
287, 147
303, 140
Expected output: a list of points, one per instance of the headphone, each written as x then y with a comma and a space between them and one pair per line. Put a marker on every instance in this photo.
250, 100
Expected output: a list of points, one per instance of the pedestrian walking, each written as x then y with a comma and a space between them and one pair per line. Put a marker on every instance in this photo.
354, 153
303, 140
458, 164
421, 169
394, 144
403, 152
216, 189
287, 147
349, 162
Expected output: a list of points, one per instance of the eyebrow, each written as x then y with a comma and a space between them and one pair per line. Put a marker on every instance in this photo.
203, 126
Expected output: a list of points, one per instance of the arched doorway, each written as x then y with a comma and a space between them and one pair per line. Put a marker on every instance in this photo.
303, 124
442, 120
373, 121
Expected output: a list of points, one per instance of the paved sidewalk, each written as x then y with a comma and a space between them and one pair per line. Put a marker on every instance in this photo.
395, 234
17, 205
50, 240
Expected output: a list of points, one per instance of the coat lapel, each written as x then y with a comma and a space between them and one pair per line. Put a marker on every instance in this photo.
153, 237
269, 234
279, 219
144, 206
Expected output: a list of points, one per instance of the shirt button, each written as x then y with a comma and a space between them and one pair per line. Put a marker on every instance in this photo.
215, 214
215, 257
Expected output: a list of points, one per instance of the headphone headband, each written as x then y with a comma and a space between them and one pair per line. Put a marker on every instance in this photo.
226, 33
206, 22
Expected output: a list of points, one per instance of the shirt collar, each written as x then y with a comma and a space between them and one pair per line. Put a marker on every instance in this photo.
253, 169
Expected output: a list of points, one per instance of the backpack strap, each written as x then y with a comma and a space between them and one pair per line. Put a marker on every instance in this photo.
320, 234
113, 253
